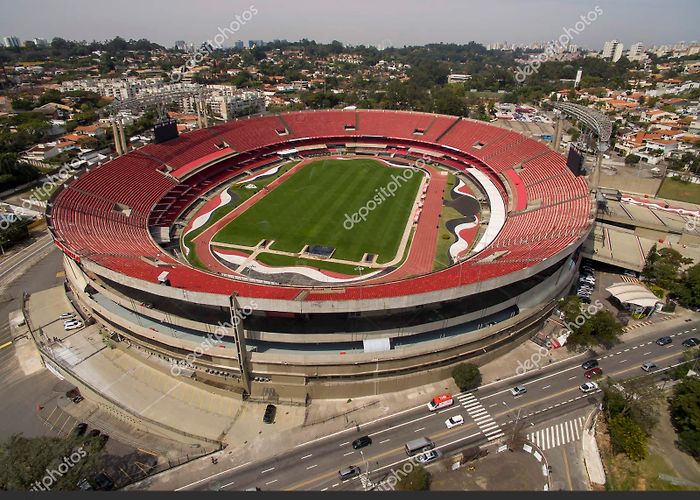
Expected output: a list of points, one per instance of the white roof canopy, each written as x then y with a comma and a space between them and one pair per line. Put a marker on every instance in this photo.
633, 293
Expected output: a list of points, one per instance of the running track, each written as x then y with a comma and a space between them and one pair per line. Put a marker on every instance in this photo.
421, 255
202, 241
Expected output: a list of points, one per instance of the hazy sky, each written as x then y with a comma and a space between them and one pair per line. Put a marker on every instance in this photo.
371, 22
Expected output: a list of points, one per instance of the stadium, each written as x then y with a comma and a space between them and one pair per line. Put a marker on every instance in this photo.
324, 254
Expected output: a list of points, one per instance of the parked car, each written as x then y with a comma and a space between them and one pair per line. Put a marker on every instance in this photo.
270, 413
454, 421
72, 325
595, 372
361, 442
67, 316
649, 366
84, 485
691, 342
104, 482
80, 429
585, 300
632, 274
591, 363
664, 340
588, 387
518, 390
427, 457
102, 441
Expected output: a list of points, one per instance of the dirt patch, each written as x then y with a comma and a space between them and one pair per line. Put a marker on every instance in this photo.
507, 471
623, 474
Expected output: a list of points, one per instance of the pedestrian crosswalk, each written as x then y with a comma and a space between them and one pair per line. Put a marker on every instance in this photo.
630, 279
558, 434
481, 417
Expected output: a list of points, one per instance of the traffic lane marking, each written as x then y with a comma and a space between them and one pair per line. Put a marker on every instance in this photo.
408, 410
375, 458
212, 476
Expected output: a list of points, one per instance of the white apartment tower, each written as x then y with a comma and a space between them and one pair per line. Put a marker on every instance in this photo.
636, 51
612, 50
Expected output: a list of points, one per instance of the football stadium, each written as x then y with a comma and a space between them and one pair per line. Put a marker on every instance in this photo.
324, 254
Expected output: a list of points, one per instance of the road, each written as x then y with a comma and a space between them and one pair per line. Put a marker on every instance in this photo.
34, 265
490, 414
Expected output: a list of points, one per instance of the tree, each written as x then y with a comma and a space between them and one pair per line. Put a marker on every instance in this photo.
685, 415
687, 290
467, 376
599, 329
448, 102
416, 480
13, 172
663, 267
571, 307
626, 436
24, 461
632, 159
50, 95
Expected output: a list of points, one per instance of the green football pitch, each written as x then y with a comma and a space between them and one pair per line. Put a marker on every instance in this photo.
312, 207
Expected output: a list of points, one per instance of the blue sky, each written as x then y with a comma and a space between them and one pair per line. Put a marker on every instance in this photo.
372, 22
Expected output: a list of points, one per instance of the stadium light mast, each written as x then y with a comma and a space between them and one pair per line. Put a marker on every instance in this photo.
599, 124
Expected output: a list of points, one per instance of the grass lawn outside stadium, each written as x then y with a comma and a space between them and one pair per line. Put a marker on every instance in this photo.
313, 205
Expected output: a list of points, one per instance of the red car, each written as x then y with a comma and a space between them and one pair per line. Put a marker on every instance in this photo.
595, 372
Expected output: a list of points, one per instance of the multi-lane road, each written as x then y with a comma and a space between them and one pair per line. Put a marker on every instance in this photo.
490, 413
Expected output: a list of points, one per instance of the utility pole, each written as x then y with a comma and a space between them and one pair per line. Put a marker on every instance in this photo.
515, 425
366, 483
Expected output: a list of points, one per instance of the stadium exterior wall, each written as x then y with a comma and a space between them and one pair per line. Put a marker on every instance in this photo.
296, 376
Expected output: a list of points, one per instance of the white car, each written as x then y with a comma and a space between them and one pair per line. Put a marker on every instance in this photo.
649, 366
588, 387
72, 325
427, 457
67, 316
454, 421
518, 390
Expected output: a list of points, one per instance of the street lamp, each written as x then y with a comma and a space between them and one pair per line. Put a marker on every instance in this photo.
366, 483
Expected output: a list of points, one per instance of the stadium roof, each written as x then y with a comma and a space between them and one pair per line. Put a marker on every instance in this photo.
594, 119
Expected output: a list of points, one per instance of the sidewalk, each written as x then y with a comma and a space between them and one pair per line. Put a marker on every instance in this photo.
591, 455
324, 418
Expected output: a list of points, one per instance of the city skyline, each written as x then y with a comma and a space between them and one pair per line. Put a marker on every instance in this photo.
416, 24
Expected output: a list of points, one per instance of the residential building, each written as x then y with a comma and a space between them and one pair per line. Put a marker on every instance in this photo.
636, 52
613, 50
11, 42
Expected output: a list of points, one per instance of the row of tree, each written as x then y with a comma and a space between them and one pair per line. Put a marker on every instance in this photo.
670, 271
